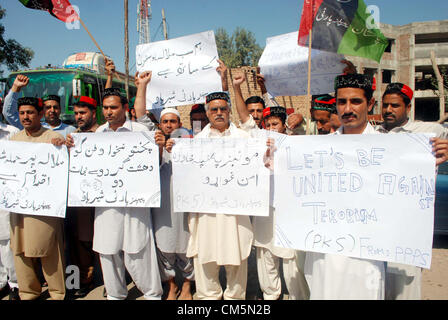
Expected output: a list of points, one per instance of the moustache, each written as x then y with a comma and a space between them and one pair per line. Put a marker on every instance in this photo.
348, 115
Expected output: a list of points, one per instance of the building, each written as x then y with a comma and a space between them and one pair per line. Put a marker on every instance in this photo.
407, 59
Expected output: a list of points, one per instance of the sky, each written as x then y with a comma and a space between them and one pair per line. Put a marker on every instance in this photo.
52, 41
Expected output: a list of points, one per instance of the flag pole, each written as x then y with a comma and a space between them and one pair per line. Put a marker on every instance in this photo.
93, 39
308, 92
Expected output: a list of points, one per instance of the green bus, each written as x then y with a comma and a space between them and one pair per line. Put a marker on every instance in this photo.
71, 81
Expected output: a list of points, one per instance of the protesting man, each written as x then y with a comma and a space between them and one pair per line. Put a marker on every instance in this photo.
198, 119
298, 126
171, 228
124, 236
332, 276
321, 110
252, 114
268, 255
33, 236
219, 239
52, 109
8, 278
403, 282
80, 219
109, 68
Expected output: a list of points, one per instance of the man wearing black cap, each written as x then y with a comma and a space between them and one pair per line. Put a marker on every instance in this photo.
52, 113
34, 237
134, 248
332, 276
403, 282
231, 246
52, 109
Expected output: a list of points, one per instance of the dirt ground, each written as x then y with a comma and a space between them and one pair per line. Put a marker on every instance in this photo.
434, 280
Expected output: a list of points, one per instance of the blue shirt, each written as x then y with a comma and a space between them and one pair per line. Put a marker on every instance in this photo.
11, 114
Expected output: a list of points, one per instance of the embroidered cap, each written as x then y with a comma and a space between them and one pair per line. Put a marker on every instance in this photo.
217, 96
355, 80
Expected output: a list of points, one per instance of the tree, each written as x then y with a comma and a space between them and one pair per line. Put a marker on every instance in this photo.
12, 54
238, 50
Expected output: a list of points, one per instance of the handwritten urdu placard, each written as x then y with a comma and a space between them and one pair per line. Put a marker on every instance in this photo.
33, 178
223, 176
114, 170
183, 70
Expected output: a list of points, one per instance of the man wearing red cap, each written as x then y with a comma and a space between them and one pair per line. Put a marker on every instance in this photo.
322, 108
403, 282
269, 255
198, 119
79, 221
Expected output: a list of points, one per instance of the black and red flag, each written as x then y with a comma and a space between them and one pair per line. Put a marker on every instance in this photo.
342, 26
60, 9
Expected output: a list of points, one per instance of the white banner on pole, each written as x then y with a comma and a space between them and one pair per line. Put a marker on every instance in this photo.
224, 176
114, 170
183, 70
284, 65
364, 196
34, 178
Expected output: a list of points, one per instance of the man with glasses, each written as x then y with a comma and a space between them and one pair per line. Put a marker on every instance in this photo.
219, 239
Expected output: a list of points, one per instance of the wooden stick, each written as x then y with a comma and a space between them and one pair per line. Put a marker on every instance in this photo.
96, 43
93, 39
440, 85
308, 92
126, 47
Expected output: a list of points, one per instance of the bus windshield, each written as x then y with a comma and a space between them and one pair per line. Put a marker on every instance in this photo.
48, 82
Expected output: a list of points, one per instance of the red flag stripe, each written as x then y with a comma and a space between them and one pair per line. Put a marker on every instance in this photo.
63, 10
306, 21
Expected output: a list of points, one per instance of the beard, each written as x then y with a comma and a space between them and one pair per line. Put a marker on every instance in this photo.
86, 125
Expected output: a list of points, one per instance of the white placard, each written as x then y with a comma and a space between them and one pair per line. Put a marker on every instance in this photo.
183, 70
224, 176
284, 65
364, 196
114, 170
34, 178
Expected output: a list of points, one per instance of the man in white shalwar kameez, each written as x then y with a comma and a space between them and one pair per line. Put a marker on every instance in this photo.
7, 271
219, 239
124, 236
268, 255
403, 282
332, 276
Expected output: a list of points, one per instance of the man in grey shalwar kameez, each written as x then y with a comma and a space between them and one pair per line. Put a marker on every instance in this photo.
171, 228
